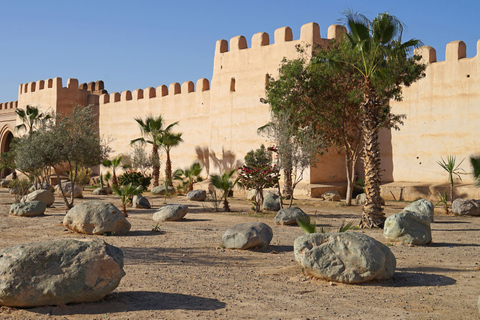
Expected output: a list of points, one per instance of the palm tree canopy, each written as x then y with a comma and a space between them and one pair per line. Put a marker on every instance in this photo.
30, 116
151, 129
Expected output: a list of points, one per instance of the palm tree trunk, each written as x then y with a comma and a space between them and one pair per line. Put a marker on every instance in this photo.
156, 165
168, 169
373, 215
287, 184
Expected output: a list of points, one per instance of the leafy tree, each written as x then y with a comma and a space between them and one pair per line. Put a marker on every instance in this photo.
30, 117
189, 176
140, 159
385, 64
258, 173
72, 141
169, 140
224, 182
151, 129
135, 178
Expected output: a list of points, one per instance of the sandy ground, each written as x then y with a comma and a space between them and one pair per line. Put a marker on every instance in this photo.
183, 272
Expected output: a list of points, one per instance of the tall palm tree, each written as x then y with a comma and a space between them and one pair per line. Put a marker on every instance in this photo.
379, 49
167, 141
30, 117
152, 130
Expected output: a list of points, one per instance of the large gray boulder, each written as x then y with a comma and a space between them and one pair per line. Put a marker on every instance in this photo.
271, 202
331, 196
160, 190
170, 212
96, 217
197, 195
140, 202
28, 209
40, 195
344, 257
58, 272
412, 225
248, 235
469, 207
289, 216
67, 189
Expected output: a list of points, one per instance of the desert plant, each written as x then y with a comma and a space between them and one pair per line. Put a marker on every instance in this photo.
114, 164
19, 188
450, 165
189, 176
443, 200
107, 178
311, 227
224, 182
135, 178
82, 176
127, 192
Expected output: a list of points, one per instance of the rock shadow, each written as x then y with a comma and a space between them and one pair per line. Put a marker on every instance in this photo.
420, 279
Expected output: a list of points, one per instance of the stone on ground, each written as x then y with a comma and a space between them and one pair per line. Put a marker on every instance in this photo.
160, 190
40, 195
58, 272
361, 199
344, 257
248, 235
331, 196
197, 195
271, 202
102, 191
67, 189
170, 212
96, 217
289, 216
140, 202
44, 186
28, 209
466, 207
412, 225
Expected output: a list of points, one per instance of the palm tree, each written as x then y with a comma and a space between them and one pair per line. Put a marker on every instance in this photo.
189, 176
379, 49
126, 193
113, 164
169, 140
30, 117
152, 130
224, 182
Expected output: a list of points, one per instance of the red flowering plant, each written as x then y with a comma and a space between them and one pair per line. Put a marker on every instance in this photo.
258, 174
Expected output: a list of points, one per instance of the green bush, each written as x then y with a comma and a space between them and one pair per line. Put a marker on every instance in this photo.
135, 178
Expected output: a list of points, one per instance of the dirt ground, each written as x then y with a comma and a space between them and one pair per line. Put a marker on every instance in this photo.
183, 272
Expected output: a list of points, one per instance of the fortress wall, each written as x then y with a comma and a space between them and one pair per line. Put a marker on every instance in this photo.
442, 112
187, 103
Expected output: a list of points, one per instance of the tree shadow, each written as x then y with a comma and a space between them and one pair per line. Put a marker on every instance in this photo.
134, 301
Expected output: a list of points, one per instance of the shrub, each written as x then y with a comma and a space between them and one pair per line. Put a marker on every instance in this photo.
135, 178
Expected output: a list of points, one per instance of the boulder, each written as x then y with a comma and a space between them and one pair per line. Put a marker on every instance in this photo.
28, 209
160, 190
289, 216
44, 186
102, 191
4, 183
140, 202
59, 272
331, 196
469, 207
170, 212
197, 195
96, 217
344, 257
40, 195
67, 189
248, 235
362, 199
412, 225
271, 202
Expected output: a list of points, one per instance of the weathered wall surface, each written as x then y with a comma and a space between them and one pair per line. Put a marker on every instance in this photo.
442, 111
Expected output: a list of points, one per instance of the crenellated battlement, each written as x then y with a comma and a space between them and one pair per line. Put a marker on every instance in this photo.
8, 106
309, 33
454, 52
161, 91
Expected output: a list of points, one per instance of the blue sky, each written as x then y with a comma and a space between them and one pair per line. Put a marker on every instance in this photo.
143, 43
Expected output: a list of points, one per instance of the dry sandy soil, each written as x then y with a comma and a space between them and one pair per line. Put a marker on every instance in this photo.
184, 273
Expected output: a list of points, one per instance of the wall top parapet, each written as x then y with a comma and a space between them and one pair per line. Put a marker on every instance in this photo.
57, 83
454, 52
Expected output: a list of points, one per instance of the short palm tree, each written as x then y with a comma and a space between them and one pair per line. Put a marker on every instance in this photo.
167, 141
224, 182
126, 193
379, 48
189, 176
151, 129
30, 116
113, 164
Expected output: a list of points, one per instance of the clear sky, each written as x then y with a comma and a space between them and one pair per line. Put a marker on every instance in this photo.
147, 43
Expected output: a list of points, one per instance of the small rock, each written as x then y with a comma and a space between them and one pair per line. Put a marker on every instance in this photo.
170, 212
140, 202
160, 190
248, 235
361, 199
289, 216
468, 207
40, 195
197, 195
331, 196
67, 189
271, 202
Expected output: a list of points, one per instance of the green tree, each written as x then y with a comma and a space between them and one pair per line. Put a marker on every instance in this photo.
167, 141
386, 63
189, 176
30, 117
114, 164
152, 130
224, 182
127, 192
